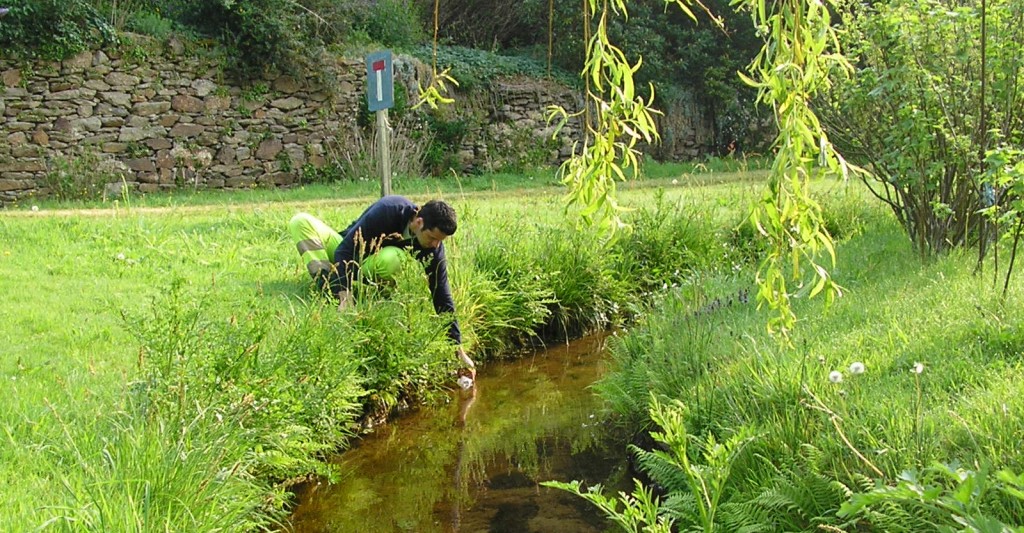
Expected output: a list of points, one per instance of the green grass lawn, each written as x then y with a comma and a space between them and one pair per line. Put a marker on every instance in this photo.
126, 327
167, 366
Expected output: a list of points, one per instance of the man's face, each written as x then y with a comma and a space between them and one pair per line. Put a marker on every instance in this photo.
428, 238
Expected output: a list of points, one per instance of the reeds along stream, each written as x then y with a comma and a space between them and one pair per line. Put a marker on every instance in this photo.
476, 463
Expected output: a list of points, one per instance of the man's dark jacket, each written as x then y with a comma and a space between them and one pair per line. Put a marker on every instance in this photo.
386, 223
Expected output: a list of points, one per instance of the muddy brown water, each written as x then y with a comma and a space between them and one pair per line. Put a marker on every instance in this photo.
476, 463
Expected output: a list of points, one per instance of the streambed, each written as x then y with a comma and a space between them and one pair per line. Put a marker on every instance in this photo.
475, 464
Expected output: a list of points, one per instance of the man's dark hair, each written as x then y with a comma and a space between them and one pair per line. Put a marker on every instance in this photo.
437, 214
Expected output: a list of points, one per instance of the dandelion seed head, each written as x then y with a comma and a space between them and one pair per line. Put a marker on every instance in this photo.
835, 376
675, 182
857, 368
917, 368
35, 208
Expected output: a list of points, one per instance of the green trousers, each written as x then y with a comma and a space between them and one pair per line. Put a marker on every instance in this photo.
316, 243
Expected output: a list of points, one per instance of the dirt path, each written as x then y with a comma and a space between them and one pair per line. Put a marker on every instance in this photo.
99, 212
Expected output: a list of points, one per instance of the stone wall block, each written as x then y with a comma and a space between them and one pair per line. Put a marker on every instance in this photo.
142, 164
41, 138
120, 79
287, 104
78, 63
186, 130
136, 121
23, 165
164, 159
11, 78
147, 109
112, 122
159, 143
187, 104
226, 155
117, 99
203, 87
216, 104
296, 154
14, 184
286, 85
96, 85
268, 149
129, 134
168, 120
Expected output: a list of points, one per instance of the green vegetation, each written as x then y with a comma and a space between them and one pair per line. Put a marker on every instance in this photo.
935, 96
174, 367
899, 409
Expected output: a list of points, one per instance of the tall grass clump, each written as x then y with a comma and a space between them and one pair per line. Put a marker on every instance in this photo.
401, 348
513, 292
667, 244
283, 375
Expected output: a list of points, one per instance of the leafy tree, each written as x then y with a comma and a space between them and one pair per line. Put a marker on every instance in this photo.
685, 59
933, 91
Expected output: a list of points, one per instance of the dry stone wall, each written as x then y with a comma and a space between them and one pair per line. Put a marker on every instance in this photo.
170, 120
163, 122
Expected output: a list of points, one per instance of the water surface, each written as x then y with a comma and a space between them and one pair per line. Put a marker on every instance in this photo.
475, 464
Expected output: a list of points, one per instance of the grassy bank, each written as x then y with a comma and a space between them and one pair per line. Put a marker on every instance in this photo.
171, 368
918, 364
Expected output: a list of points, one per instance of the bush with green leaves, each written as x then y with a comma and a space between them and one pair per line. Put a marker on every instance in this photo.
692, 472
395, 24
666, 244
924, 105
52, 29
475, 68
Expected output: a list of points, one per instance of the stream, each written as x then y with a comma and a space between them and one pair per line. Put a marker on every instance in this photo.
475, 464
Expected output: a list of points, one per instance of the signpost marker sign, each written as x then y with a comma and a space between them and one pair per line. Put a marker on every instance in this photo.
381, 78
380, 95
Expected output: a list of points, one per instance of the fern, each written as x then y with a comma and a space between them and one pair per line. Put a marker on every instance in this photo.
662, 471
797, 498
943, 498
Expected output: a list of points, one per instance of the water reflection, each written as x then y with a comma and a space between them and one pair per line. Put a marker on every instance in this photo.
475, 464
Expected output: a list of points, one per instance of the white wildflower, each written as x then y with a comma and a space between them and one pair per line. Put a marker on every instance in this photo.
121, 257
675, 182
35, 208
917, 368
203, 158
857, 368
835, 376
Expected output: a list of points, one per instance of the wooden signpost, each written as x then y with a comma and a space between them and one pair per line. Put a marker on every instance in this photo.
380, 96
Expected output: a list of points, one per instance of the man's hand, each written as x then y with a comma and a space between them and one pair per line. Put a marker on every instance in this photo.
466, 361
344, 300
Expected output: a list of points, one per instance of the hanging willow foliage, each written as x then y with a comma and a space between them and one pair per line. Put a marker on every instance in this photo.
434, 93
799, 54
620, 119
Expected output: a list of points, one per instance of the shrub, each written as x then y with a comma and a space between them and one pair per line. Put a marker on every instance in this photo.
52, 29
390, 23
81, 177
